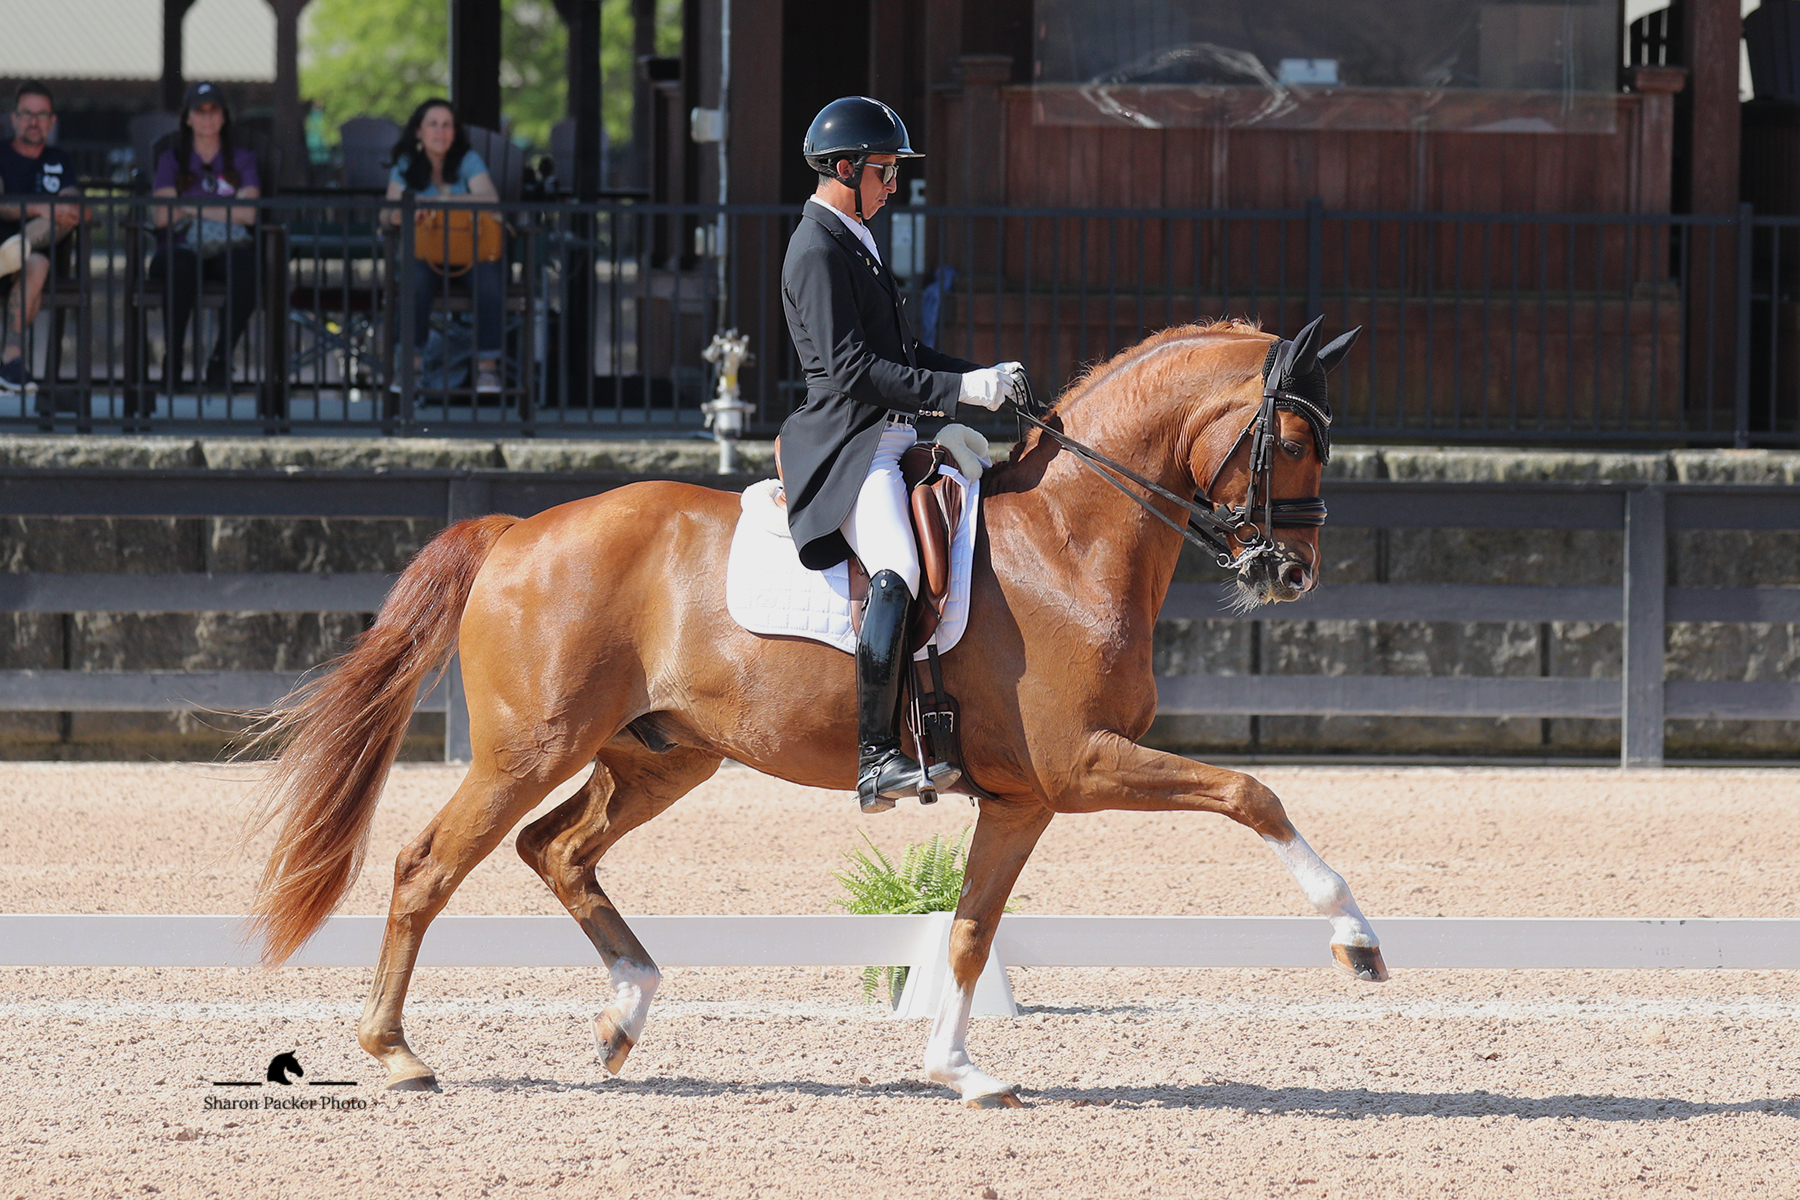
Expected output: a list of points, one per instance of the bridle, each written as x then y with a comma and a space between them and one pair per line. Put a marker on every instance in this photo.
1212, 526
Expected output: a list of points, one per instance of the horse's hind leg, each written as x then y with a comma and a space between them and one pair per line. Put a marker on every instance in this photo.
427, 871
629, 786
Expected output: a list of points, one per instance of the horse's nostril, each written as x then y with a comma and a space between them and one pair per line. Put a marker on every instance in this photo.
1294, 576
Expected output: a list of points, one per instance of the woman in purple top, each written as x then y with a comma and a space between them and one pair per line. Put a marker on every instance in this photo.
205, 241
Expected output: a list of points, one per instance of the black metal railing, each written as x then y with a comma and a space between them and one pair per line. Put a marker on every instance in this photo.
1593, 328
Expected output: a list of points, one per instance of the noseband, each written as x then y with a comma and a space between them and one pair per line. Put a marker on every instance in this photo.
1211, 526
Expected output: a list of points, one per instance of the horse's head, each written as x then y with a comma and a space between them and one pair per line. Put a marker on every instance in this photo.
1259, 465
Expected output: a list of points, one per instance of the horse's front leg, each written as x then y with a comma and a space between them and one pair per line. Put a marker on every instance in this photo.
1005, 833
1117, 773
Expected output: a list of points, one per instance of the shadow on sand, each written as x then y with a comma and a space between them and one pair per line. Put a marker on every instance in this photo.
1225, 1095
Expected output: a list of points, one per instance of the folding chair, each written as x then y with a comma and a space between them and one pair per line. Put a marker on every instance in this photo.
366, 144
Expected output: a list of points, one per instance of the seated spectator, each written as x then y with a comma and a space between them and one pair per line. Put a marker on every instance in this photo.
30, 166
433, 159
205, 241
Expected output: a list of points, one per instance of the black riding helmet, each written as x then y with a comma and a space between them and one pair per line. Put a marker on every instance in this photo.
853, 128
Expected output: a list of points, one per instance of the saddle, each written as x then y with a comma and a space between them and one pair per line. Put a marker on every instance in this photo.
935, 503
932, 718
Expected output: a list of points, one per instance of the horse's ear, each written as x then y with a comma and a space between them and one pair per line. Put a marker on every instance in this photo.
1306, 349
1333, 354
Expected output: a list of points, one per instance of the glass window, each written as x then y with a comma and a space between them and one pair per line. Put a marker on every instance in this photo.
1346, 62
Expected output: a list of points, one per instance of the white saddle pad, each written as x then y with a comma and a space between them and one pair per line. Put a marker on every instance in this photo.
768, 591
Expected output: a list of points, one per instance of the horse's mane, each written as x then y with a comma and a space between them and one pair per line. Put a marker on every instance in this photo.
1100, 372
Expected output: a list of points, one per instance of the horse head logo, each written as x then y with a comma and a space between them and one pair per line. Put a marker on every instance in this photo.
283, 1065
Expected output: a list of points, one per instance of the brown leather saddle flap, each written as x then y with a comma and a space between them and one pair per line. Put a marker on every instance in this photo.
936, 505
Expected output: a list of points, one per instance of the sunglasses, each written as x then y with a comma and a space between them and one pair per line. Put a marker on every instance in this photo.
887, 171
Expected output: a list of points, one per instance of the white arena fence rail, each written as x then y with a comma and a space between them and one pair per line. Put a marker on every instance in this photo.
921, 943
1641, 698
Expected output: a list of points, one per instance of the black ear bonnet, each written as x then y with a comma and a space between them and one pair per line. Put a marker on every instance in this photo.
1294, 378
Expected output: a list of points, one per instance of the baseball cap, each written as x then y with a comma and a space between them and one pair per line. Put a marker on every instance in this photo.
205, 93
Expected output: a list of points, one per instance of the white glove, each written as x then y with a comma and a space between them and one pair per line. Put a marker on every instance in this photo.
987, 388
1014, 374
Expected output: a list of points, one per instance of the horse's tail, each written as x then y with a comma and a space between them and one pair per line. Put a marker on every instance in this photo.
339, 733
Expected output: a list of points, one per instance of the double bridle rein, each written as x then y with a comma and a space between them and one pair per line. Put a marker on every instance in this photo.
1211, 526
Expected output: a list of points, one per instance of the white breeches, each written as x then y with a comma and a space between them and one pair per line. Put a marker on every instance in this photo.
879, 528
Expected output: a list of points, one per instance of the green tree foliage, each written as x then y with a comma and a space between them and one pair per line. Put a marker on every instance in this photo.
381, 57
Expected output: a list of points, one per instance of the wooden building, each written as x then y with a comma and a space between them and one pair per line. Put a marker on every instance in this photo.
1529, 112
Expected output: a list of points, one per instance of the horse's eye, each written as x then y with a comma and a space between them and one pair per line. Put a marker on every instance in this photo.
1294, 449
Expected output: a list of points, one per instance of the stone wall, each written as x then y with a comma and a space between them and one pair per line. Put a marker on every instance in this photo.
1725, 558
237, 641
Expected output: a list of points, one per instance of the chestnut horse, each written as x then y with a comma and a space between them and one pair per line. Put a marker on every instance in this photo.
596, 632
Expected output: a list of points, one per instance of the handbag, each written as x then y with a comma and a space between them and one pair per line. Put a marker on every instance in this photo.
454, 240
209, 239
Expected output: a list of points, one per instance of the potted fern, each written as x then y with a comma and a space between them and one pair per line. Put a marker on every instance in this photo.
928, 879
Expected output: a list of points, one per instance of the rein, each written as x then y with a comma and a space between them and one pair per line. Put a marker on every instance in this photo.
1205, 526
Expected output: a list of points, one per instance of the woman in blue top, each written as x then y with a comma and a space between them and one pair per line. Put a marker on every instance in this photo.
433, 159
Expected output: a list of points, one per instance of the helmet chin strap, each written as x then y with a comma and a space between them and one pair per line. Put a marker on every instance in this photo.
854, 183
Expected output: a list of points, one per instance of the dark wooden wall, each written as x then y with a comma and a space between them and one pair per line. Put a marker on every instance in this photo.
1624, 170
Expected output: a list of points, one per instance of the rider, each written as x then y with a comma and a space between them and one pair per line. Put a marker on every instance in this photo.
868, 379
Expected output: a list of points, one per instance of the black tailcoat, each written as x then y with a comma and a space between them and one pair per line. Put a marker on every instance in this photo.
861, 361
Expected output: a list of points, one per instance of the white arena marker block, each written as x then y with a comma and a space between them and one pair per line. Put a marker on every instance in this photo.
928, 981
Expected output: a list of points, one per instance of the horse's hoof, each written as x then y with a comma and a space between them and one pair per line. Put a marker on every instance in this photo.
1006, 1099
1364, 962
613, 1042
412, 1083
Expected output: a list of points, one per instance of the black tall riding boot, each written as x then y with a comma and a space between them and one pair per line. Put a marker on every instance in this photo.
884, 773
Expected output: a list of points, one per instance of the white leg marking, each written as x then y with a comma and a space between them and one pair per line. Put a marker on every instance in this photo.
947, 1058
1327, 891
633, 986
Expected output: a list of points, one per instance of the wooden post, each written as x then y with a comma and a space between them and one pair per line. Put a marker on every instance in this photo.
1654, 135
1646, 576
173, 85
582, 17
1710, 32
643, 46
475, 61
290, 127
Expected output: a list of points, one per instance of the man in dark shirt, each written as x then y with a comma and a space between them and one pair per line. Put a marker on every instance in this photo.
30, 166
